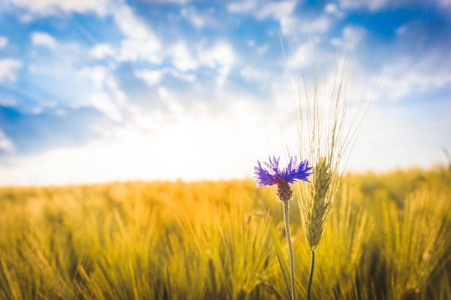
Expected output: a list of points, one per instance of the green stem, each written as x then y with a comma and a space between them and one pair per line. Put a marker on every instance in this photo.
309, 291
287, 229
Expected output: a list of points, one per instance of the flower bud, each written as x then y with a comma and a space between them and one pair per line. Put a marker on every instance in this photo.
283, 192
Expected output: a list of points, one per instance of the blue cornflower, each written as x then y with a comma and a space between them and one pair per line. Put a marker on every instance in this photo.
275, 176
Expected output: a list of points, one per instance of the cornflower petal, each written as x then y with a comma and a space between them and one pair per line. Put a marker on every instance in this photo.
271, 175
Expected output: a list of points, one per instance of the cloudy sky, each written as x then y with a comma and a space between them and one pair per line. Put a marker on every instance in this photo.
95, 91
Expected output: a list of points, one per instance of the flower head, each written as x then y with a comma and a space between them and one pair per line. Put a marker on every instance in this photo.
289, 175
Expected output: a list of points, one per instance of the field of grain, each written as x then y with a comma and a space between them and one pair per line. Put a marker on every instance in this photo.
389, 237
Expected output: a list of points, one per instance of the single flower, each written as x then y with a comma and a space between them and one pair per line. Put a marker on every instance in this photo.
292, 173
283, 178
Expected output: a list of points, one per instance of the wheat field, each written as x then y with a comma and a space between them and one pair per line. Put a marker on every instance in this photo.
389, 237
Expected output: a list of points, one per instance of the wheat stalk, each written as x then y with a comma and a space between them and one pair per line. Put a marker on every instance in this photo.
328, 121
326, 131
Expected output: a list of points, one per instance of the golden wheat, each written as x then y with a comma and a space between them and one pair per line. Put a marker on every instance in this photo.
210, 240
328, 118
317, 209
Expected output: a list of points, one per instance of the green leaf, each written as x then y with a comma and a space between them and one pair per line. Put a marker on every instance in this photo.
282, 262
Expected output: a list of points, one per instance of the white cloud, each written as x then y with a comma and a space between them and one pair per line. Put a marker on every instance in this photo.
331, 8
410, 75
262, 49
163, 92
107, 96
251, 74
3, 42
368, 4
276, 10
242, 6
281, 11
376, 5
354, 34
98, 74
351, 37
130, 25
195, 18
8, 69
5, 143
140, 41
401, 30
292, 25
43, 39
302, 55
7, 102
264, 9
182, 76
132, 50
289, 25
100, 51
181, 57
151, 77
219, 56
337, 42
103, 102
318, 25
154, 77
181, 2
54, 7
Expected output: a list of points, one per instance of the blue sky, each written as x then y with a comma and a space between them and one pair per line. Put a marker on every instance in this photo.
94, 91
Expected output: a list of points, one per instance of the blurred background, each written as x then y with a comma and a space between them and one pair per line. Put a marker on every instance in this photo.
96, 91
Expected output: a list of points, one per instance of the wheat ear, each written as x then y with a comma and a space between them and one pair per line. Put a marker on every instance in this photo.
319, 209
